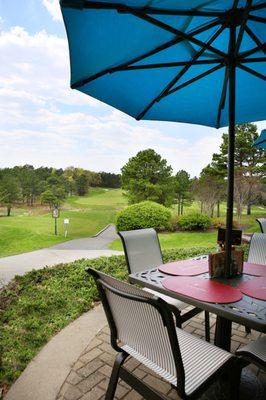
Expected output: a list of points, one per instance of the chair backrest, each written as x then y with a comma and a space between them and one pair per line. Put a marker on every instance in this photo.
142, 249
262, 224
257, 249
143, 323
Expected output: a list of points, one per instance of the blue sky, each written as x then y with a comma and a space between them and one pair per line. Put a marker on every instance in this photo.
44, 122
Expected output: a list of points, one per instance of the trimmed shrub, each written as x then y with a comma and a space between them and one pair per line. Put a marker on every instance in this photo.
146, 214
218, 222
174, 222
221, 223
196, 221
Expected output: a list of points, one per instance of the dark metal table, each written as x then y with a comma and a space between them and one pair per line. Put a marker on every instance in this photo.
249, 312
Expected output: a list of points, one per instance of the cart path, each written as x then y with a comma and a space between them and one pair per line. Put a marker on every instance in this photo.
66, 252
97, 242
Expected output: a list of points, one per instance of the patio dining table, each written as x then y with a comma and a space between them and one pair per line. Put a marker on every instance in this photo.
248, 311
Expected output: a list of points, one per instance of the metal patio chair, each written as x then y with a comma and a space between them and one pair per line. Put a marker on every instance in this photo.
262, 224
257, 249
143, 251
142, 326
255, 352
257, 253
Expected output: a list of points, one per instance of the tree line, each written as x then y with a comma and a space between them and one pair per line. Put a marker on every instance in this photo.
28, 185
148, 177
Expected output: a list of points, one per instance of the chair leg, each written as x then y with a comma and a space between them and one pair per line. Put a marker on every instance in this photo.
234, 379
247, 329
119, 361
177, 314
207, 326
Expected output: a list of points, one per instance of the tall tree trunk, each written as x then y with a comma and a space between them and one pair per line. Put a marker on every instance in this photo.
249, 209
218, 209
8, 210
179, 206
239, 213
182, 205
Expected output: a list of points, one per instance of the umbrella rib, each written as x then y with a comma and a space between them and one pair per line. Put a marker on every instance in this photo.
254, 38
223, 97
259, 6
189, 64
96, 5
235, 4
169, 64
120, 7
242, 26
252, 72
251, 60
252, 51
196, 78
162, 47
175, 31
260, 142
185, 13
257, 19
180, 74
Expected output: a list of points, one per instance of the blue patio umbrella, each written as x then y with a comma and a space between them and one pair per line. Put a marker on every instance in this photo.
195, 61
261, 141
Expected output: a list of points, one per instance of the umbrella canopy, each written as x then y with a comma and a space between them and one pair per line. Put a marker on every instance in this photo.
194, 61
261, 141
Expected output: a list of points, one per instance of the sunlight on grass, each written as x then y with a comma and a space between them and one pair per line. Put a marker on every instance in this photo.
25, 230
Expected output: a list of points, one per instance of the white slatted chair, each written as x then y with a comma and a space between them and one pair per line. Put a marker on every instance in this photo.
257, 249
142, 326
255, 352
257, 253
262, 224
143, 251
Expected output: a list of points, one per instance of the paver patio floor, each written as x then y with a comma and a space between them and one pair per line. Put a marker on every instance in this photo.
90, 374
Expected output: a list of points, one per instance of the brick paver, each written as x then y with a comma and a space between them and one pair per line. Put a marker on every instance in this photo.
89, 376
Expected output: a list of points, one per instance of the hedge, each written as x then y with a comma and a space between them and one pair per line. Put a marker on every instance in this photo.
146, 214
194, 221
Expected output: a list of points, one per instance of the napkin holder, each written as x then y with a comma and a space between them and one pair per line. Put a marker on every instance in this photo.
217, 263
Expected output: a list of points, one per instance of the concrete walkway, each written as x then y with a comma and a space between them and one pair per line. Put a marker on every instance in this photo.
66, 252
44, 376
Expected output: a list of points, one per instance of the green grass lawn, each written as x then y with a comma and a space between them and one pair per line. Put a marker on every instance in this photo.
27, 230
179, 240
32, 229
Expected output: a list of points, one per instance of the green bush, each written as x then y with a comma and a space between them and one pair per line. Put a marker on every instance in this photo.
221, 223
196, 221
146, 214
174, 222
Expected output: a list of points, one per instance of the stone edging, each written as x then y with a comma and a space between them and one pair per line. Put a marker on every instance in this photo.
101, 231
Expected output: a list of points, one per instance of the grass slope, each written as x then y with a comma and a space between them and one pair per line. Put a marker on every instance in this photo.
32, 229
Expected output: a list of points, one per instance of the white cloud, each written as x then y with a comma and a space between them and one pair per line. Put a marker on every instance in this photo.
43, 122
36, 67
53, 8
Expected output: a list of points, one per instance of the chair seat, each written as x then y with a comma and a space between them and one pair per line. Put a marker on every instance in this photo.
200, 359
255, 352
170, 300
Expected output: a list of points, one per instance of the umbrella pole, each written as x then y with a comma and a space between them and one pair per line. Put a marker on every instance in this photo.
231, 151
